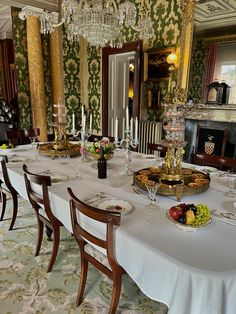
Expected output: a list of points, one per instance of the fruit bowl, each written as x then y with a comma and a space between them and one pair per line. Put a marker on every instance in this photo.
185, 227
189, 217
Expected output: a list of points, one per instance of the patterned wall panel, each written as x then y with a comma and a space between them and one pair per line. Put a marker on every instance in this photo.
197, 71
47, 77
71, 64
21, 61
94, 86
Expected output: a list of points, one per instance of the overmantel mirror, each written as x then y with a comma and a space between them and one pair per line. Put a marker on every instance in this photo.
120, 85
213, 61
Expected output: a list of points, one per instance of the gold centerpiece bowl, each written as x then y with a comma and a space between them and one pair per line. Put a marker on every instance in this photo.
193, 181
49, 149
108, 156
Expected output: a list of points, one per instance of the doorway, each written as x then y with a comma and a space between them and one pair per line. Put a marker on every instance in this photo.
120, 85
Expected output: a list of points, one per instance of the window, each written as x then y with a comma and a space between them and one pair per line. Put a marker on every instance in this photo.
225, 67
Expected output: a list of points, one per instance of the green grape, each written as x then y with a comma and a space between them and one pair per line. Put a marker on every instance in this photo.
202, 215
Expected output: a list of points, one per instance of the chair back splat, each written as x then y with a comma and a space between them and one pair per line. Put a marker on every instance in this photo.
220, 162
104, 258
39, 199
15, 136
151, 147
6, 190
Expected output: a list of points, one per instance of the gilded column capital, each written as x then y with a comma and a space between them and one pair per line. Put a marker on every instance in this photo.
33, 11
30, 11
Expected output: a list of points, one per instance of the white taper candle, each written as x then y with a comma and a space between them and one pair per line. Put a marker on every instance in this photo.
116, 127
127, 118
136, 128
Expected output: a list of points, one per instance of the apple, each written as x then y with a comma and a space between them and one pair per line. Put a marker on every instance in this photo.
175, 212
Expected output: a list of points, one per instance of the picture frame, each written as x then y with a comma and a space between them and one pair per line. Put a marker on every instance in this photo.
156, 67
219, 139
153, 98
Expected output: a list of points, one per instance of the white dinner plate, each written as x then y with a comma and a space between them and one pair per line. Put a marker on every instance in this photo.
184, 227
16, 159
55, 177
116, 205
207, 169
144, 156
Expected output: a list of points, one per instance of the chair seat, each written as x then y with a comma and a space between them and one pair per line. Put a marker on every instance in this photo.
97, 254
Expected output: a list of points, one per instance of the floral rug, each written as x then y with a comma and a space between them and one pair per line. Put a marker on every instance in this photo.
26, 287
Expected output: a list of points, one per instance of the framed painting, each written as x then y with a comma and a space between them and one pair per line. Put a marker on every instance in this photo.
156, 67
211, 141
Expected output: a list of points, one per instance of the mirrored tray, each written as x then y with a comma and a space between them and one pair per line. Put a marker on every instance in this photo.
47, 149
194, 181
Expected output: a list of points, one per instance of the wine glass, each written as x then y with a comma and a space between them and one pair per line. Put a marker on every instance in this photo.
179, 191
152, 190
78, 166
231, 181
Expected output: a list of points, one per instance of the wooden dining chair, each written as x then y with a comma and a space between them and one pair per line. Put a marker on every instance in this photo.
32, 133
7, 190
220, 162
85, 238
41, 204
156, 147
15, 136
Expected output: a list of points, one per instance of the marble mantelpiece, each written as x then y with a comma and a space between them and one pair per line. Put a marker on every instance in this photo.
221, 113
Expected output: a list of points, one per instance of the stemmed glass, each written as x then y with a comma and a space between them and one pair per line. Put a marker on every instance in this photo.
179, 191
78, 164
152, 190
231, 181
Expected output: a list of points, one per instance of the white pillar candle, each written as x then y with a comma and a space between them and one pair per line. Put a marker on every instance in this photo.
116, 127
127, 118
83, 123
90, 122
131, 127
136, 128
73, 121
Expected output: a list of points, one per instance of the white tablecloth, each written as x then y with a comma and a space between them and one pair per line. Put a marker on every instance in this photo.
191, 272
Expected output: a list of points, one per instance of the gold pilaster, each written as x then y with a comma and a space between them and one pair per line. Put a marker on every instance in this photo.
56, 66
36, 72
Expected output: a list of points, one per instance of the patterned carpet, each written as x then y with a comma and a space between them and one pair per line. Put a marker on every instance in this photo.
25, 287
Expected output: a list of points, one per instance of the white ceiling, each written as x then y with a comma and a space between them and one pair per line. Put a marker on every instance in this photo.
212, 14
209, 14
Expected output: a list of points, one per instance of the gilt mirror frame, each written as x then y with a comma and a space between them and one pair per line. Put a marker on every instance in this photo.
184, 50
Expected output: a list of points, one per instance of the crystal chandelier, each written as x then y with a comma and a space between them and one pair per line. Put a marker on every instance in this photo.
99, 22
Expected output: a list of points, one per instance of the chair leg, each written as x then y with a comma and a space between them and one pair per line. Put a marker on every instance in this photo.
49, 232
116, 289
3, 202
56, 241
40, 237
15, 209
83, 278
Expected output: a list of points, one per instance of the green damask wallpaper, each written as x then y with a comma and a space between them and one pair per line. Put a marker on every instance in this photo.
22, 74
21, 61
167, 20
197, 70
71, 65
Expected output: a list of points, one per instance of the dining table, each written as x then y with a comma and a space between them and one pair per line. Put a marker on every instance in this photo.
191, 272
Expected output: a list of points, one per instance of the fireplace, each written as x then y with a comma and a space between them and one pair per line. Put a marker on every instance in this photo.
214, 117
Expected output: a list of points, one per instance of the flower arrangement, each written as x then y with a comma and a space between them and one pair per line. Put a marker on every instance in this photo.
104, 144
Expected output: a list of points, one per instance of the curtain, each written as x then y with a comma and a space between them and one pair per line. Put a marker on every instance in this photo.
210, 68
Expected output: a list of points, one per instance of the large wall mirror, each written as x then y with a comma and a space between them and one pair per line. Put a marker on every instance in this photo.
214, 49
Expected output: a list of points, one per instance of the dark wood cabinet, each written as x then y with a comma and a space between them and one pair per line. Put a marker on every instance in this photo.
8, 87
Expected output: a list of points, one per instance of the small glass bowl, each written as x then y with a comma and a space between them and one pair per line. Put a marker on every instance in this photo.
116, 179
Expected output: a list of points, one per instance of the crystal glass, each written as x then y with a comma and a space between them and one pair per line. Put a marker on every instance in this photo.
116, 179
64, 158
152, 190
231, 182
78, 166
179, 191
